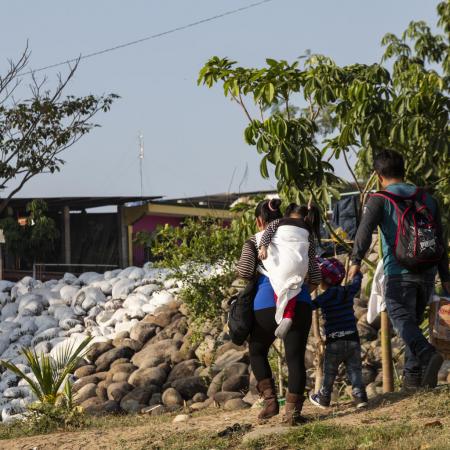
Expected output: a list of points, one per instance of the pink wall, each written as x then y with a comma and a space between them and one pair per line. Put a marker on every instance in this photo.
150, 223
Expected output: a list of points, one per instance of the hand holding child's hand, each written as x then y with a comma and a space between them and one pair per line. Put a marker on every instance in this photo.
262, 254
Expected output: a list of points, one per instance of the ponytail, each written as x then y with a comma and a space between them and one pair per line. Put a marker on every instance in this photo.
310, 215
268, 210
312, 218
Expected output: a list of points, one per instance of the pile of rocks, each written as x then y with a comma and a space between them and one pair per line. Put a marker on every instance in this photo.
146, 356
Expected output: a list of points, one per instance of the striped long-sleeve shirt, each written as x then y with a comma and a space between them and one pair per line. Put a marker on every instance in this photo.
248, 262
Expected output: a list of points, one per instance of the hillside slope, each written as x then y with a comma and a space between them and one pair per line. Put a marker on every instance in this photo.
393, 421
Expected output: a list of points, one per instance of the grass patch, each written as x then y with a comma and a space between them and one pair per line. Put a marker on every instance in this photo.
319, 436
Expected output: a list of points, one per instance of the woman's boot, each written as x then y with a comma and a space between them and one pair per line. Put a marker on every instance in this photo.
266, 389
293, 410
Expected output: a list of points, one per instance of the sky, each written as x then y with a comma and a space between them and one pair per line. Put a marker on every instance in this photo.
193, 136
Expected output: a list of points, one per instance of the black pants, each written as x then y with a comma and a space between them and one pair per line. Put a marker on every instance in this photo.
262, 337
406, 298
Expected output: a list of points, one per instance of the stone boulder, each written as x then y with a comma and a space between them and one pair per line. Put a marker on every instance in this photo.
147, 376
98, 349
236, 383
235, 404
80, 383
128, 342
162, 350
190, 386
142, 332
231, 357
104, 361
117, 391
137, 399
222, 397
87, 391
171, 397
183, 370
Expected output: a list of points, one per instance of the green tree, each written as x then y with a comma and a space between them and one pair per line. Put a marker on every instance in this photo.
201, 254
367, 106
35, 240
36, 131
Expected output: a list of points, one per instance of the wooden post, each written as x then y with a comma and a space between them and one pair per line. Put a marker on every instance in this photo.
280, 369
123, 237
386, 353
319, 353
67, 247
386, 348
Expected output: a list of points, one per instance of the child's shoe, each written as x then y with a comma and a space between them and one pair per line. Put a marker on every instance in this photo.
319, 400
360, 400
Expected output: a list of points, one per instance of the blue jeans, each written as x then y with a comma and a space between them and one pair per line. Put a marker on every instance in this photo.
347, 352
406, 298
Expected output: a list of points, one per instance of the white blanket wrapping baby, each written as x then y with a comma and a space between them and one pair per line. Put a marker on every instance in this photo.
286, 264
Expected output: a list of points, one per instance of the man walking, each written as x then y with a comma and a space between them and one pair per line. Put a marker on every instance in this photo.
409, 282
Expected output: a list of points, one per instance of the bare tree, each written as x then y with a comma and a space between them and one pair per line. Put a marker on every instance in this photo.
34, 132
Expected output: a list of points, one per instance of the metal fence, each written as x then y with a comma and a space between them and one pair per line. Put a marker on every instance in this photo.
40, 269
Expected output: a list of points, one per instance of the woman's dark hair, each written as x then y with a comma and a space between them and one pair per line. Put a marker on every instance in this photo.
268, 210
389, 164
310, 214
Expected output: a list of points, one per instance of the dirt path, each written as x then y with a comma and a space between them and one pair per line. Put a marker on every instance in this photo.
152, 432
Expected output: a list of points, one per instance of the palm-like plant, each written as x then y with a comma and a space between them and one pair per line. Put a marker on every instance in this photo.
51, 373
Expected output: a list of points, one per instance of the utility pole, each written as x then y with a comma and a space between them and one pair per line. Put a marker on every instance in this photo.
141, 160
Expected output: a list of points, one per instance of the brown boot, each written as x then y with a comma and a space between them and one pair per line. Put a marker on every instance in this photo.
266, 389
293, 409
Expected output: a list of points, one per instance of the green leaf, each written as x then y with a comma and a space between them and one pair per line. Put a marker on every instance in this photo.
269, 92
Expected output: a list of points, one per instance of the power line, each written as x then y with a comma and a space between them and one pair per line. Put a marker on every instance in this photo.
153, 36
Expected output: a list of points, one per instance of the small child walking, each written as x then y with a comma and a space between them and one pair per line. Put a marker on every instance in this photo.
342, 338
287, 249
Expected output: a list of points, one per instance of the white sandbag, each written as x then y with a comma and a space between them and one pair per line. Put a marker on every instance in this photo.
148, 289
11, 414
70, 278
136, 274
89, 277
92, 294
76, 329
9, 311
119, 316
28, 325
46, 294
16, 392
122, 288
136, 300
43, 347
11, 352
125, 326
46, 335
4, 343
68, 293
15, 334
68, 323
25, 340
113, 305
78, 311
6, 286
62, 312
44, 322
104, 285
31, 305
7, 327
104, 317
109, 274
4, 298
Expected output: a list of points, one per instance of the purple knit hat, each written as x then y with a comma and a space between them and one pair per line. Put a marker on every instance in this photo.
333, 271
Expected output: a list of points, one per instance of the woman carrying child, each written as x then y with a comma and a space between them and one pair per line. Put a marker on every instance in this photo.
262, 335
